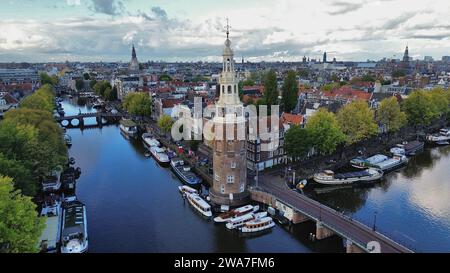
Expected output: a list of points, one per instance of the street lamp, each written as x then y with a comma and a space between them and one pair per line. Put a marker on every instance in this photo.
374, 220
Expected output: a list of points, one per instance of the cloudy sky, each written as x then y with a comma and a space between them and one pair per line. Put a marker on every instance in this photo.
182, 30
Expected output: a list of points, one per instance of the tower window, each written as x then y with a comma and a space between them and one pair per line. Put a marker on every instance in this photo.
230, 179
223, 89
229, 89
235, 89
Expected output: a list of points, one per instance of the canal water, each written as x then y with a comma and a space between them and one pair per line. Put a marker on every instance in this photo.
133, 204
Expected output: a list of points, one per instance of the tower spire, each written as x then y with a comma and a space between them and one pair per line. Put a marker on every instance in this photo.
228, 28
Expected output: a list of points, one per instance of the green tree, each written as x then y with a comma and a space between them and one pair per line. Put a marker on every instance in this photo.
20, 226
270, 88
290, 92
390, 115
21, 175
303, 73
356, 121
138, 104
165, 78
92, 83
165, 123
419, 108
36, 102
325, 131
248, 82
193, 144
79, 84
368, 78
297, 142
440, 100
86, 76
46, 79
329, 87
398, 73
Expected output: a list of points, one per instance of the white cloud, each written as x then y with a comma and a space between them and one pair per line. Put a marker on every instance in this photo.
73, 2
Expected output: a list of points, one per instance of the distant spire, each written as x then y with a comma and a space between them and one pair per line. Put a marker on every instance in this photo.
228, 28
133, 53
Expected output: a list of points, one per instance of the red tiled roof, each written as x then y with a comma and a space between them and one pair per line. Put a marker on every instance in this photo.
347, 92
292, 119
169, 103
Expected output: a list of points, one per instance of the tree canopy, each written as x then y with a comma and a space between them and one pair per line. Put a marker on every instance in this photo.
324, 131
42, 99
20, 226
165, 123
46, 79
104, 90
420, 108
390, 115
290, 92
270, 88
356, 121
297, 141
138, 104
79, 84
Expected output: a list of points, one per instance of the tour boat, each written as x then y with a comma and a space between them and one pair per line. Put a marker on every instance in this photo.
258, 225
328, 177
186, 189
199, 204
363, 163
442, 137
407, 148
128, 127
149, 141
51, 235
184, 172
392, 163
160, 155
74, 237
241, 220
227, 216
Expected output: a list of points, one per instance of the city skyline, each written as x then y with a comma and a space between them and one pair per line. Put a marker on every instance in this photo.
104, 30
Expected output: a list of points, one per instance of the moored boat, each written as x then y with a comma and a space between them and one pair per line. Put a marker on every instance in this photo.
160, 155
258, 225
390, 164
199, 204
363, 163
149, 141
328, 177
51, 183
407, 148
186, 189
74, 237
184, 172
227, 216
68, 140
51, 235
241, 220
441, 137
128, 127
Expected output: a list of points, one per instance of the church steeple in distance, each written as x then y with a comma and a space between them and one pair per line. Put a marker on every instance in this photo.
406, 55
134, 64
133, 53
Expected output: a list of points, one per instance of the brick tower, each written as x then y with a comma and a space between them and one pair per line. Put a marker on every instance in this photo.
229, 158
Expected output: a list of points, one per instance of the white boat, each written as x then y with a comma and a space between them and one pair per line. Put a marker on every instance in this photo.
186, 189
407, 148
128, 127
258, 225
160, 155
183, 171
241, 220
74, 237
150, 141
363, 163
227, 216
392, 163
328, 177
51, 235
52, 183
442, 136
199, 204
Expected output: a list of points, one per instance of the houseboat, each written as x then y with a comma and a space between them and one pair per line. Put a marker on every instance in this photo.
363, 163
149, 141
51, 235
390, 164
199, 204
160, 155
328, 177
128, 127
68, 140
241, 220
258, 225
440, 138
407, 148
184, 172
186, 189
51, 183
227, 216
74, 236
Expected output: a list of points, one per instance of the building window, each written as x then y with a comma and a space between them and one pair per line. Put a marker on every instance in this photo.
233, 165
235, 89
242, 188
223, 89
230, 146
229, 89
222, 189
230, 179
217, 177
258, 157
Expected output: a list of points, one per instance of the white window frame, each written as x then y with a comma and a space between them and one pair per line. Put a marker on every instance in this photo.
230, 179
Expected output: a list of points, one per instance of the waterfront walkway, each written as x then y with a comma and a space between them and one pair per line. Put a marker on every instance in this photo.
339, 223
